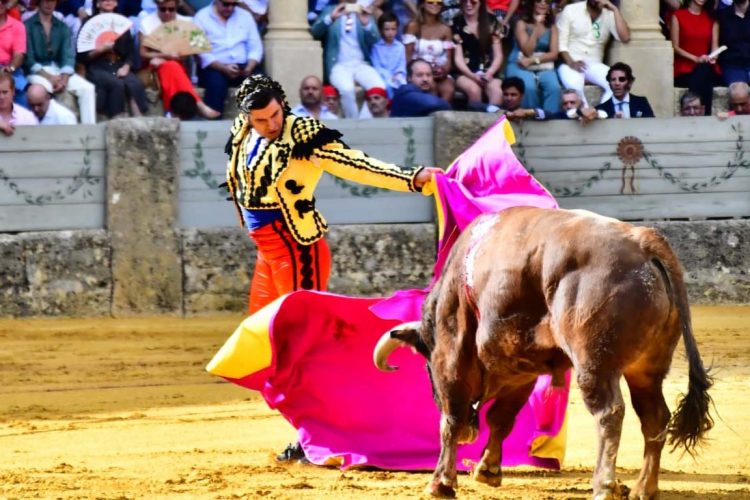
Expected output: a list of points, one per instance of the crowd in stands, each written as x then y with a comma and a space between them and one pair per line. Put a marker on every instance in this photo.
528, 58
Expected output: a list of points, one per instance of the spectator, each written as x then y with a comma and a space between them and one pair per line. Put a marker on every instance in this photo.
478, 54
50, 56
573, 109
533, 56
513, 92
332, 99
12, 114
311, 104
623, 104
47, 110
503, 10
73, 14
417, 97
428, 37
690, 105
108, 67
388, 54
695, 34
170, 68
734, 32
12, 48
582, 43
349, 32
236, 49
377, 104
739, 100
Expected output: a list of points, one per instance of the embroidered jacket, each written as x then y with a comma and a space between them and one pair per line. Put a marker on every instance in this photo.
283, 173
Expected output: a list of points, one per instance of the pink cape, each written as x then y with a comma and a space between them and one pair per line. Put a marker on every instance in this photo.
320, 375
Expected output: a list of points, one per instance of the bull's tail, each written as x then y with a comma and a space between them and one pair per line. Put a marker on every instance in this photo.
691, 420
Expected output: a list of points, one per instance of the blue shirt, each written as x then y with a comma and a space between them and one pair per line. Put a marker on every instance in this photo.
389, 59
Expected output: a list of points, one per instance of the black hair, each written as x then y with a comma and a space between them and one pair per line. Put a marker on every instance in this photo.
513, 81
183, 106
257, 91
410, 66
688, 97
528, 13
625, 68
387, 17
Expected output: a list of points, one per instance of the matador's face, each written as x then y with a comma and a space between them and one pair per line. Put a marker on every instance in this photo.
268, 121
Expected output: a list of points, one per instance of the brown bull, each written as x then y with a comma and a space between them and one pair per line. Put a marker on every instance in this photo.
531, 291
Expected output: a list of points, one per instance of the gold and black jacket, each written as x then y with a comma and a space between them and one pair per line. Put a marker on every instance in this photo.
284, 172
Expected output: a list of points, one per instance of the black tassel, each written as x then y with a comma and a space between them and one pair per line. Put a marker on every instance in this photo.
228, 147
323, 137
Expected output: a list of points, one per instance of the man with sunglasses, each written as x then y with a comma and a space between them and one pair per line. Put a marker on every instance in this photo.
236, 49
584, 29
623, 104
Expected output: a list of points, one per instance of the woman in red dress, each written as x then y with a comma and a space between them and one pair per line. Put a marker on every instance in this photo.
695, 34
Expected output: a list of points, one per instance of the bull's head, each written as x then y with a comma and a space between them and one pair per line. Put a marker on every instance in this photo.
406, 334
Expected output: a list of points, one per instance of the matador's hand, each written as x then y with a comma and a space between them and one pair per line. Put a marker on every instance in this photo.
425, 175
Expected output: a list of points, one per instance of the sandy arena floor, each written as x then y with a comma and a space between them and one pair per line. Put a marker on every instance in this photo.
104, 408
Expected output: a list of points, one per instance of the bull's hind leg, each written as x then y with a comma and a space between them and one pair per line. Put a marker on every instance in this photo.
603, 398
648, 401
500, 419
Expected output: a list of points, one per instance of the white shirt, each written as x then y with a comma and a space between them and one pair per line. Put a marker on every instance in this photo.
583, 39
325, 114
349, 50
622, 106
234, 41
57, 114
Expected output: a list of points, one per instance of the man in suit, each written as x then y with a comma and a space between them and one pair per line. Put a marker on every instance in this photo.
623, 104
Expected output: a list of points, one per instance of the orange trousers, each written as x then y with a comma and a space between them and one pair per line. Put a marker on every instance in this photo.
282, 265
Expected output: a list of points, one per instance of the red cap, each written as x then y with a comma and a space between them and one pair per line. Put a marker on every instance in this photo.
330, 91
377, 91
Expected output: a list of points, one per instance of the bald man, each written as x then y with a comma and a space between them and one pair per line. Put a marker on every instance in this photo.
310, 96
46, 108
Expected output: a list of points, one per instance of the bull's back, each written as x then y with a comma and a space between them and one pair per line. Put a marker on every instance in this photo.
591, 279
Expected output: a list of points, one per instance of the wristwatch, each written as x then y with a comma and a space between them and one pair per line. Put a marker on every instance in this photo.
536, 60
12, 68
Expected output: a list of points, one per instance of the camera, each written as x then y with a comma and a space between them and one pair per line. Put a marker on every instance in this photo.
353, 7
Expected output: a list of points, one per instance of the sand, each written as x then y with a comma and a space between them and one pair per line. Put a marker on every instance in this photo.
122, 408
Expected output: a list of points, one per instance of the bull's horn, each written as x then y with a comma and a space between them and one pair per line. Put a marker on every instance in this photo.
386, 345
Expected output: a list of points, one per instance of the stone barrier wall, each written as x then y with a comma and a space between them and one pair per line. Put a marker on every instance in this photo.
70, 273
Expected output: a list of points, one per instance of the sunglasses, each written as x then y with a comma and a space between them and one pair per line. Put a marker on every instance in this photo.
228, 5
621, 79
167, 9
433, 2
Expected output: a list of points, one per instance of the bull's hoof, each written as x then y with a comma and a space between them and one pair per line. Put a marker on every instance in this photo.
609, 491
440, 490
491, 477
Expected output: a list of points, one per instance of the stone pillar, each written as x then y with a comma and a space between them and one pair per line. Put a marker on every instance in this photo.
649, 54
142, 174
290, 51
